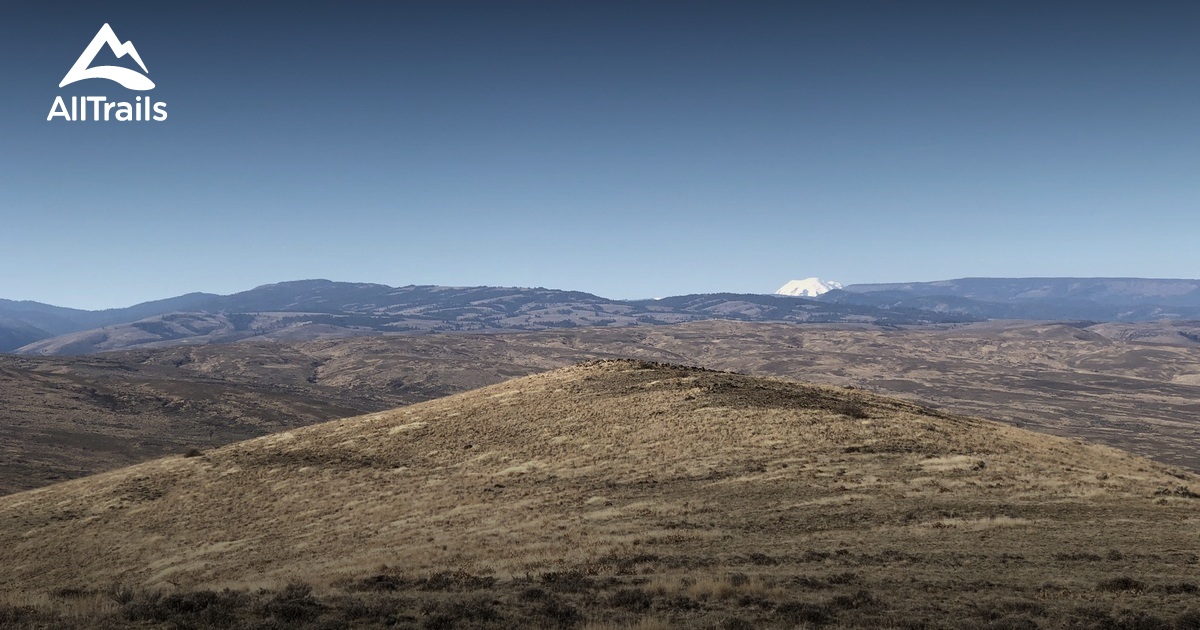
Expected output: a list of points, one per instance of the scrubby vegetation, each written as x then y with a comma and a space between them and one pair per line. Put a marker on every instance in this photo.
573, 599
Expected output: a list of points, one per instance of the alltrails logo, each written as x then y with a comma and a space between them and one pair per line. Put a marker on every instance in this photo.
99, 108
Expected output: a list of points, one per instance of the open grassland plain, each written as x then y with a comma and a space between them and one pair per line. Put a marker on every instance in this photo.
618, 494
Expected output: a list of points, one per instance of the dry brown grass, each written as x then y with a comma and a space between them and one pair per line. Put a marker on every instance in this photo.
629, 493
67, 417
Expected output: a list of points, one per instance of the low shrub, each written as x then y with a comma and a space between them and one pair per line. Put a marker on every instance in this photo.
1123, 583
295, 603
804, 612
634, 599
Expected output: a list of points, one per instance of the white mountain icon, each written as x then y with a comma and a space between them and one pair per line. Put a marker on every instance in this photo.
129, 78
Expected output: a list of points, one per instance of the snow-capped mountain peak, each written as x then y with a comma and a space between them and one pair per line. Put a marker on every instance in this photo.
809, 287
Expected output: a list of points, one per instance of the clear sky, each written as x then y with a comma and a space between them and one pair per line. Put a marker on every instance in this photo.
629, 149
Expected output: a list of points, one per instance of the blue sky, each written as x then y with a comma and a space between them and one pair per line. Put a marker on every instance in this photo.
629, 149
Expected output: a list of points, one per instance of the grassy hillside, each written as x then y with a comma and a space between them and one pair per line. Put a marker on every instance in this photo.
64, 417
612, 494
67, 418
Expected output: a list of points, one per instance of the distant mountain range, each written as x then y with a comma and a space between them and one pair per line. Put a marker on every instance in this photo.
1094, 299
313, 309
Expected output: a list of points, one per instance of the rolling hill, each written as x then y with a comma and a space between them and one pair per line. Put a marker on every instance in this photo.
1114, 291
315, 309
1097, 299
67, 419
69, 416
44, 320
15, 334
318, 309
616, 493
